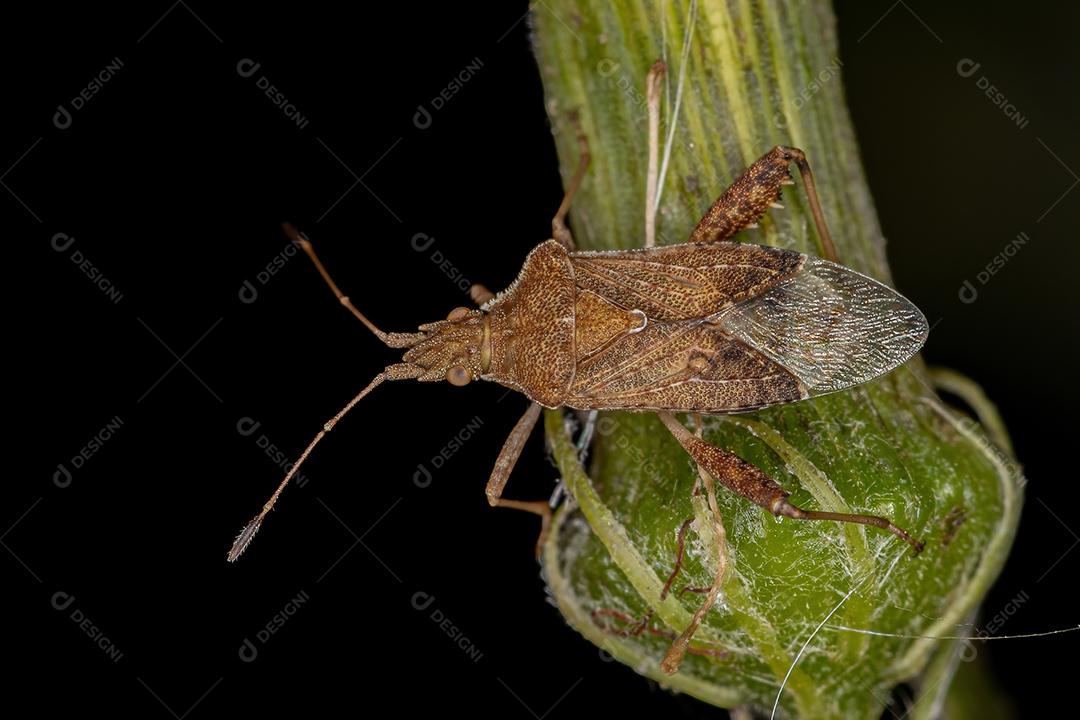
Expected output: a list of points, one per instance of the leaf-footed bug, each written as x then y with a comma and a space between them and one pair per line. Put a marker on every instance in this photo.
709, 326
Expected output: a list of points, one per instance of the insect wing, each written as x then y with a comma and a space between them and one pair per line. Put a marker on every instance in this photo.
690, 366
683, 282
830, 326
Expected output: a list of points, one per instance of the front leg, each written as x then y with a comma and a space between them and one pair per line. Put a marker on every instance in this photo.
743, 204
504, 465
559, 230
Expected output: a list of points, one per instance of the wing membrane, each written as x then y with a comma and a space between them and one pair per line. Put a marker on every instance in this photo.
830, 326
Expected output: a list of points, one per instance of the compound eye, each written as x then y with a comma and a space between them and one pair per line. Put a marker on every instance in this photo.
458, 375
457, 314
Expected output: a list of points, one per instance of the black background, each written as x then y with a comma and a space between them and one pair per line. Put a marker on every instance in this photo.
173, 179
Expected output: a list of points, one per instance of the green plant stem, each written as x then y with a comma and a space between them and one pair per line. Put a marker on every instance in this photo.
755, 74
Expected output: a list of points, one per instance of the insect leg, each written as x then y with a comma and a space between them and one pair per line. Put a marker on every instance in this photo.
480, 294
758, 189
634, 628
642, 623
559, 231
743, 478
393, 339
629, 627
675, 654
504, 465
679, 555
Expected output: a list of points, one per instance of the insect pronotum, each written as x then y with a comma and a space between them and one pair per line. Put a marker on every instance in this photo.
705, 327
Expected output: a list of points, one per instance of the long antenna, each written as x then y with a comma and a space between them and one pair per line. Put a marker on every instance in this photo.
393, 339
400, 371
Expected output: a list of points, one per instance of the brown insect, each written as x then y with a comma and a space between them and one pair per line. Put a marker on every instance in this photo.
705, 327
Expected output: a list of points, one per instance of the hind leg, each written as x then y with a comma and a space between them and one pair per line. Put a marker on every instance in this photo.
753, 484
758, 189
